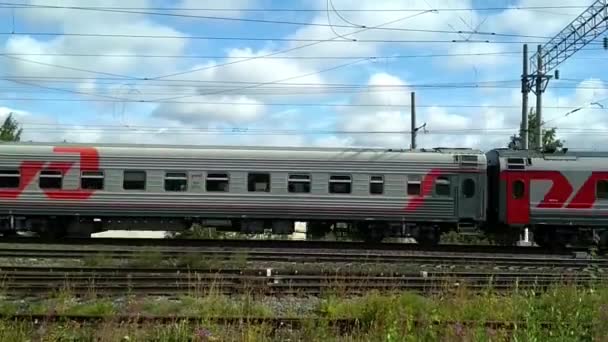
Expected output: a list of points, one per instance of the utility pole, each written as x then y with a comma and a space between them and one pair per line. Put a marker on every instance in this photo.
413, 117
539, 97
524, 101
589, 25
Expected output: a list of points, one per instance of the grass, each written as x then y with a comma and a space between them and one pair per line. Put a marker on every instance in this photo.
146, 258
575, 314
98, 260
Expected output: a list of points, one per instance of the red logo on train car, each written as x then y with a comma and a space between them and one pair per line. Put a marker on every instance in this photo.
561, 189
89, 161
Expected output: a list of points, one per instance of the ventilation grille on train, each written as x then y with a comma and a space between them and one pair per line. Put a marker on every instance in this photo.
516, 163
468, 160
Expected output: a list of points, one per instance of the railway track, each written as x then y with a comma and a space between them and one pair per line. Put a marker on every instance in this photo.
278, 255
38, 281
290, 244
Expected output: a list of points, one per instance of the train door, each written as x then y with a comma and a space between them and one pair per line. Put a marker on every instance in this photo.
518, 198
468, 197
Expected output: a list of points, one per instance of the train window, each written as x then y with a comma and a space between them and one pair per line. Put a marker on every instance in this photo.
9, 178
258, 182
519, 189
468, 188
340, 184
601, 189
134, 180
176, 181
298, 183
376, 185
413, 187
217, 182
91, 180
442, 186
50, 179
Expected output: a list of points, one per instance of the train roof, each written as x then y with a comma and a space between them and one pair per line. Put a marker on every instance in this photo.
505, 152
448, 150
226, 151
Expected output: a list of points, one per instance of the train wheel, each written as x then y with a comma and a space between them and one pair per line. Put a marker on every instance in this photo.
603, 243
504, 236
53, 229
547, 237
428, 236
372, 232
317, 230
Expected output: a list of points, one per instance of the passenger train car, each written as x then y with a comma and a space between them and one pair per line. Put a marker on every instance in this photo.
562, 197
81, 189
77, 190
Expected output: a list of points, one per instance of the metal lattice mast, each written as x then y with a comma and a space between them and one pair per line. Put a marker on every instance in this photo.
581, 31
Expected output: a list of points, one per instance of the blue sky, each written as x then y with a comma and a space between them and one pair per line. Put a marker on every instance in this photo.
122, 91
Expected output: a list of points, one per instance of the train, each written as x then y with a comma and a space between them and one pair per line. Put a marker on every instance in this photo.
61, 190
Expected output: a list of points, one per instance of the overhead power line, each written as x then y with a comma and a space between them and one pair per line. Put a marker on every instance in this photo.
260, 84
276, 39
285, 9
179, 91
280, 52
129, 129
276, 22
566, 83
66, 67
516, 54
277, 104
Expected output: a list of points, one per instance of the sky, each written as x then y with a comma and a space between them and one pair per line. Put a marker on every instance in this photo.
330, 74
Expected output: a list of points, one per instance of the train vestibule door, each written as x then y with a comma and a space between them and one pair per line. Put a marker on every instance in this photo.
518, 199
469, 197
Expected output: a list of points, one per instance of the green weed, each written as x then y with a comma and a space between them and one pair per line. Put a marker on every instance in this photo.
147, 258
98, 260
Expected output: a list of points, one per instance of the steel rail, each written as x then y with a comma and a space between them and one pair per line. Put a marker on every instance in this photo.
290, 244
323, 256
33, 281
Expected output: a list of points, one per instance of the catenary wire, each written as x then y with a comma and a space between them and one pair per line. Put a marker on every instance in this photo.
277, 39
279, 52
278, 81
280, 22
270, 9
514, 54
362, 105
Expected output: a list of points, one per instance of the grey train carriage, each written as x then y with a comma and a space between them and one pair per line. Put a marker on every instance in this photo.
59, 190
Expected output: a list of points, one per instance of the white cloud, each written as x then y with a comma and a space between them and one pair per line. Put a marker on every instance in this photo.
232, 8
232, 84
240, 110
483, 128
235, 83
537, 22
412, 21
18, 114
77, 21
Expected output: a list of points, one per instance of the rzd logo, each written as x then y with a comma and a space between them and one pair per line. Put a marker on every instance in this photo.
561, 189
89, 161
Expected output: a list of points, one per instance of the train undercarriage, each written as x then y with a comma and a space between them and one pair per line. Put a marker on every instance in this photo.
556, 237
56, 227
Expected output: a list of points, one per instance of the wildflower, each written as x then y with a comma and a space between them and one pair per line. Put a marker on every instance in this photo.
459, 329
204, 334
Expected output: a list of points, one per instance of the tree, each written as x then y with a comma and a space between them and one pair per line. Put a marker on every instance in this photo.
549, 142
10, 129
